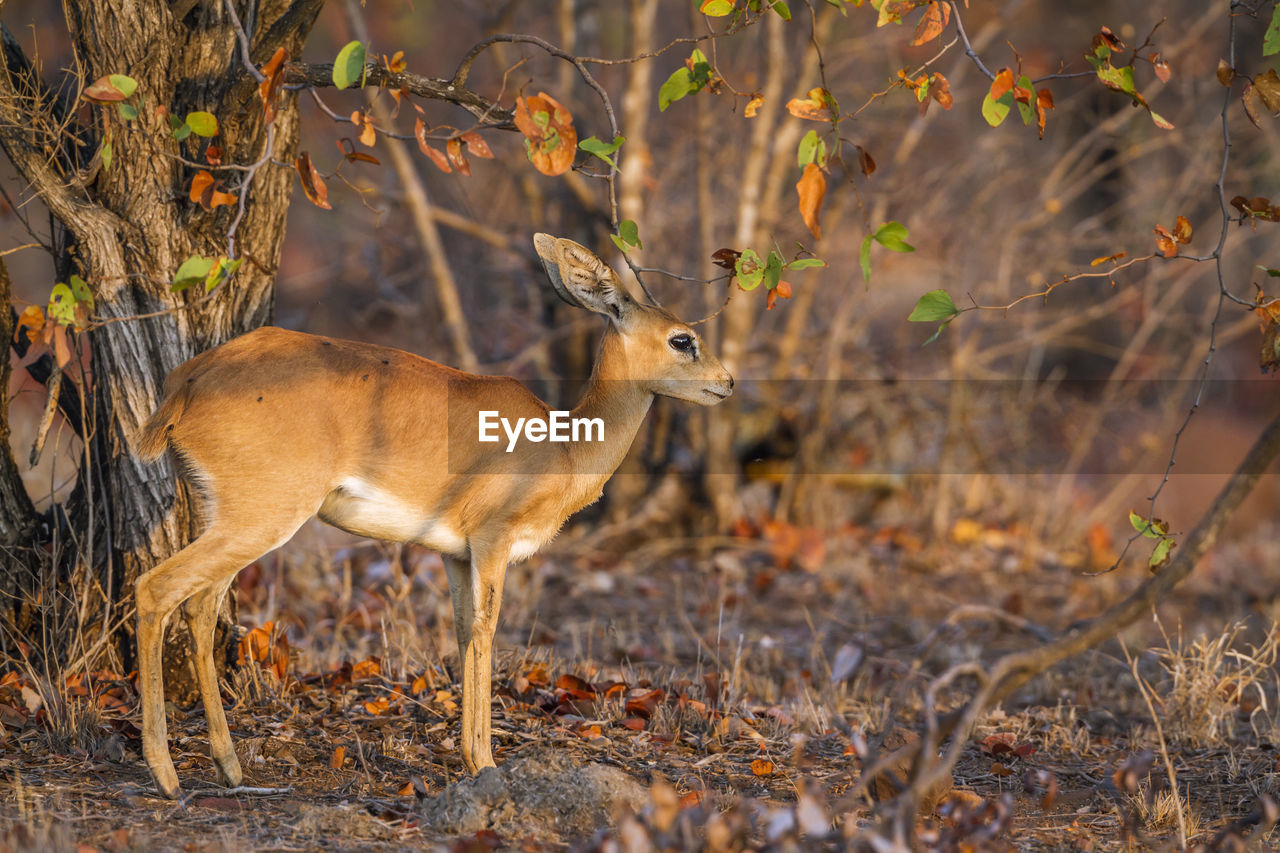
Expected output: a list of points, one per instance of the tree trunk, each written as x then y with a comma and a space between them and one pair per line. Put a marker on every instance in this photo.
130, 225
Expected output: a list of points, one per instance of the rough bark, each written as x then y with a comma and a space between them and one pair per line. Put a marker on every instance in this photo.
125, 226
129, 227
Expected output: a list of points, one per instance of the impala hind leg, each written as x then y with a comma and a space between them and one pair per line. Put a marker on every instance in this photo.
202, 619
210, 561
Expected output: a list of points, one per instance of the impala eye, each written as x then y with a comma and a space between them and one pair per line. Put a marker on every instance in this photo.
682, 343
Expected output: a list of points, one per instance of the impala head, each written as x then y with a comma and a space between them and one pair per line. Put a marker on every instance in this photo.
662, 353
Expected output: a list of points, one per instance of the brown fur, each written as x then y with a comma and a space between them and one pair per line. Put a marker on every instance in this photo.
277, 426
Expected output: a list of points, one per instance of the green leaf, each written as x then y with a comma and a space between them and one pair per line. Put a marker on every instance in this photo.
839, 5
701, 74
1027, 111
123, 82
1268, 270
348, 68
602, 149
193, 270
936, 333
716, 8
772, 271
995, 111
864, 258
811, 150
202, 123
630, 233
934, 306
62, 304
1271, 41
128, 112
1160, 555
80, 291
106, 156
222, 271
893, 236
679, 84
783, 10
182, 131
805, 263
1155, 529
749, 270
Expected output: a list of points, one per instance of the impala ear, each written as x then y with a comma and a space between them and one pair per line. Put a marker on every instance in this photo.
582, 279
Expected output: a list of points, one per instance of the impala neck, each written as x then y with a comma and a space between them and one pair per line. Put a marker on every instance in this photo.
616, 399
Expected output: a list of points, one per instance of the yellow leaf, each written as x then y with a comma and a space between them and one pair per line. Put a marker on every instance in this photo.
752, 106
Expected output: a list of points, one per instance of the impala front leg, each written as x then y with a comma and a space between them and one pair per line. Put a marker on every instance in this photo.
476, 590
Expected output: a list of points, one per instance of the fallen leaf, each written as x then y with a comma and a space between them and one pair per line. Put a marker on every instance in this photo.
762, 767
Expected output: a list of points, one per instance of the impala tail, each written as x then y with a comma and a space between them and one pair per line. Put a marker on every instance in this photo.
153, 439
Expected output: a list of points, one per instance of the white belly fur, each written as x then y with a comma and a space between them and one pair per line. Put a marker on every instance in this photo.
365, 510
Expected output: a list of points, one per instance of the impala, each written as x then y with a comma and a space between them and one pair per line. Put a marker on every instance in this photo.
275, 427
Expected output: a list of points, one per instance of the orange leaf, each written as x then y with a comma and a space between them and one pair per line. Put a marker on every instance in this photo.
339, 755
213, 155
548, 126
32, 320
476, 145
61, 348
205, 192
576, 687
1182, 230
1102, 260
101, 91
370, 667
692, 798
1044, 102
419, 685
1002, 84
940, 91
935, 19
396, 63
1161, 67
456, 157
312, 183
817, 106
812, 188
1165, 241
377, 706
436, 155
782, 291
753, 105
762, 767
270, 87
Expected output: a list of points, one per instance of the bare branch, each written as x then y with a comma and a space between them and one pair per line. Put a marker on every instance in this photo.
320, 75
28, 134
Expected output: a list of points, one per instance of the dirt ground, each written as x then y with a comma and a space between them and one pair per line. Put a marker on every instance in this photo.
724, 689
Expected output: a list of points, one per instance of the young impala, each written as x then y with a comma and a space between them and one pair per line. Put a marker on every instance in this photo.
275, 427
